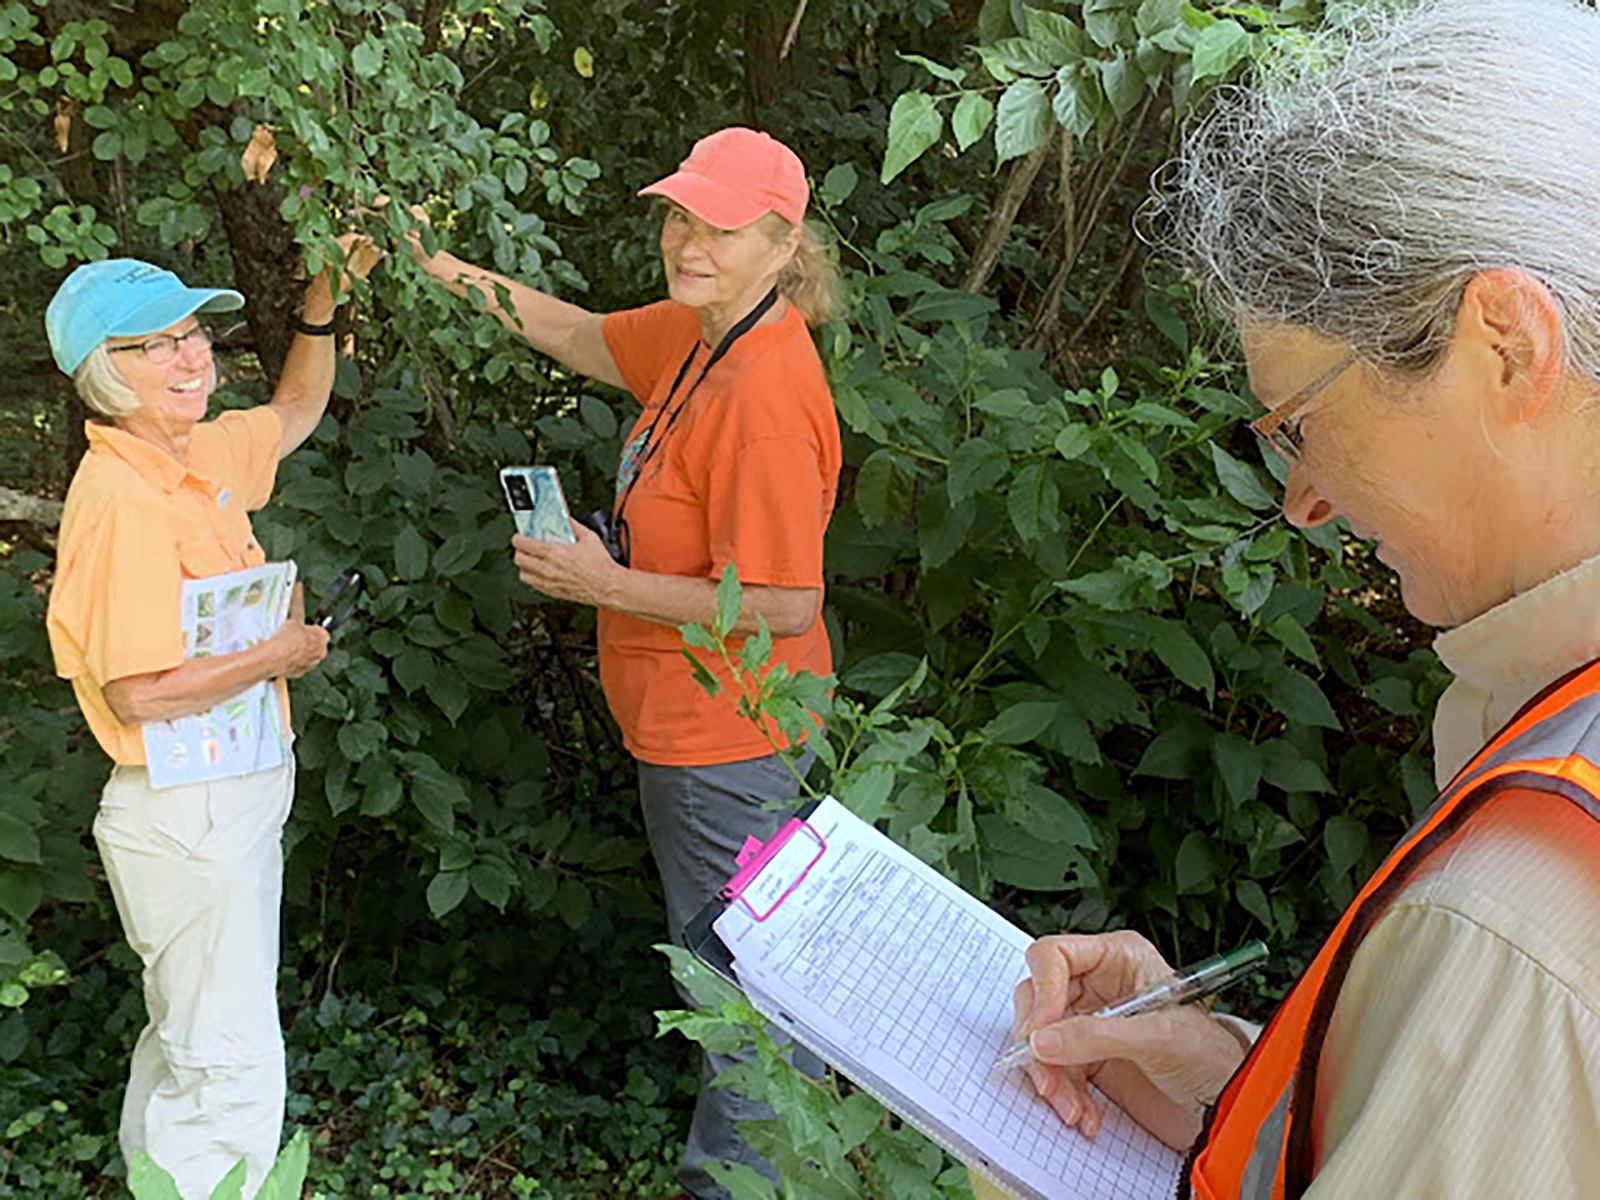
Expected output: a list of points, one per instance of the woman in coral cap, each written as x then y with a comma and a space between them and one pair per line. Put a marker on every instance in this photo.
734, 459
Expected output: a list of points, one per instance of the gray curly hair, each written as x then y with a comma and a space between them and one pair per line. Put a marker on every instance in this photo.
1362, 182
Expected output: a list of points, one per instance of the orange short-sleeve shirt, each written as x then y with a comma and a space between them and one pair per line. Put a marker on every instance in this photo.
746, 474
137, 524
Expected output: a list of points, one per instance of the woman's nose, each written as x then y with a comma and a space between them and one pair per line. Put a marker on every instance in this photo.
1304, 506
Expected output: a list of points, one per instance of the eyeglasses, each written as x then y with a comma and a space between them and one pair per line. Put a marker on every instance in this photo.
1280, 428
163, 348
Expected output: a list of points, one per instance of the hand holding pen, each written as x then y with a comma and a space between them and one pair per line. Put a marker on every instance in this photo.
1161, 1064
1204, 978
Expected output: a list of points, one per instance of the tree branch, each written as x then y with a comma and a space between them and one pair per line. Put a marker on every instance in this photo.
35, 510
1003, 217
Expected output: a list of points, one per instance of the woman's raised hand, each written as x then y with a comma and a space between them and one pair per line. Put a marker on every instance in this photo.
1162, 1068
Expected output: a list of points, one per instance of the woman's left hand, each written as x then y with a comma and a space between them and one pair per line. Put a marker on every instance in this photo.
361, 254
584, 571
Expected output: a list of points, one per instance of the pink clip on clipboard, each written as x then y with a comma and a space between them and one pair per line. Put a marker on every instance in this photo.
768, 874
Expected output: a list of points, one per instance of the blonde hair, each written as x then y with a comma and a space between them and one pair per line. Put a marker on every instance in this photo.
810, 280
101, 388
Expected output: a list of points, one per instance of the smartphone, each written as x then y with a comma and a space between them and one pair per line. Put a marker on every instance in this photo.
537, 505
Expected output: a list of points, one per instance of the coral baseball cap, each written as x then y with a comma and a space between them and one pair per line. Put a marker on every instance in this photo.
121, 297
736, 175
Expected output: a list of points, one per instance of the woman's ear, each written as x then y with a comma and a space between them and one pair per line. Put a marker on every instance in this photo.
1511, 319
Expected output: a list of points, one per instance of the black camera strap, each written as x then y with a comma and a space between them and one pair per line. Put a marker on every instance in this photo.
671, 412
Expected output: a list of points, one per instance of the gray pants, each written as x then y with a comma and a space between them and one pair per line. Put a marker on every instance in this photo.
697, 819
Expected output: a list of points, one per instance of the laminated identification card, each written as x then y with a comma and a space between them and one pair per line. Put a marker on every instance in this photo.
245, 733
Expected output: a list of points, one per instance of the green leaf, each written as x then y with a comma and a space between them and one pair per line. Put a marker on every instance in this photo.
856, 1119
382, 797
953, 75
446, 891
1253, 899
880, 674
231, 1185
1077, 100
1182, 655
574, 903
1293, 637
1021, 722
367, 59
1298, 697
458, 555
286, 1180
976, 466
839, 183
1034, 502
1022, 121
434, 792
1284, 766
1240, 481
1346, 839
1072, 441
1389, 692
1055, 818
914, 125
973, 115
18, 840
1123, 83
1220, 48
150, 1182
1196, 865
21, 890
1060, 37
360, 738
1239, 764
729, 600
492, 879
410, 555
1155, 15
1176, 753
883, 490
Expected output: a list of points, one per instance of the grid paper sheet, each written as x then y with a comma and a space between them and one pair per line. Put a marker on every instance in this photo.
903, 982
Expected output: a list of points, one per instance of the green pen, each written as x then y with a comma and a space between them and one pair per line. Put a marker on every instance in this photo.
1204, 978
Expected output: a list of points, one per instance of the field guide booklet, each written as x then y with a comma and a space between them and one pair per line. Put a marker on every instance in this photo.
902, 981
245, 733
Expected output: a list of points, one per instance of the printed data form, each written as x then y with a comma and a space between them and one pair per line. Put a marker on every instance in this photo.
903, 982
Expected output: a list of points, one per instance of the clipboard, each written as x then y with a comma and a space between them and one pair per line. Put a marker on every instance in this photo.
820, 916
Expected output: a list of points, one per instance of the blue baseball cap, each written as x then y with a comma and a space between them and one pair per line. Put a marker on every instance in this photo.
121, 297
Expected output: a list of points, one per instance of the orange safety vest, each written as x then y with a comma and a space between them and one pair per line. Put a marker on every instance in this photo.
1258, 1145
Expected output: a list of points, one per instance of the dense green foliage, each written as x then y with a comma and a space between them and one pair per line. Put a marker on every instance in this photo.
1083, 667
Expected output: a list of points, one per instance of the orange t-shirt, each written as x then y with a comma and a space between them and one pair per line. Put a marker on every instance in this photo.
135, 526
747, 474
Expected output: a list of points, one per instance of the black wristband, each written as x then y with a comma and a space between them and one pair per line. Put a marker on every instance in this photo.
301, 325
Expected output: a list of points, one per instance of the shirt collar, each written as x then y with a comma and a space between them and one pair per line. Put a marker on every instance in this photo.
1503, 658
150, 461
1532, 638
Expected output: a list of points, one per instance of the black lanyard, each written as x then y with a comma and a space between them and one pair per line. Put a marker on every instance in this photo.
745, 324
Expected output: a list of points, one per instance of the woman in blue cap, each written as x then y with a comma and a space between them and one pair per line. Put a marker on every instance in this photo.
161, 498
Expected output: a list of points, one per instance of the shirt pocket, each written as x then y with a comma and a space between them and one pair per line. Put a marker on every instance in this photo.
204, 554
227, 545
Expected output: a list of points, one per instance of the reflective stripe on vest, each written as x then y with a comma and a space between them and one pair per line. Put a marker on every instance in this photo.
1258, 1143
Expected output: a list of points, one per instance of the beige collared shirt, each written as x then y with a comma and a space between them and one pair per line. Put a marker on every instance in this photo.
1463, 1061
1464, 1056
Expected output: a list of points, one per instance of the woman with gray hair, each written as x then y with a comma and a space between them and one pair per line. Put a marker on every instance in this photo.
1402, 227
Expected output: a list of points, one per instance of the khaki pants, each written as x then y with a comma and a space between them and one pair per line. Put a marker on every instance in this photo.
197, 873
